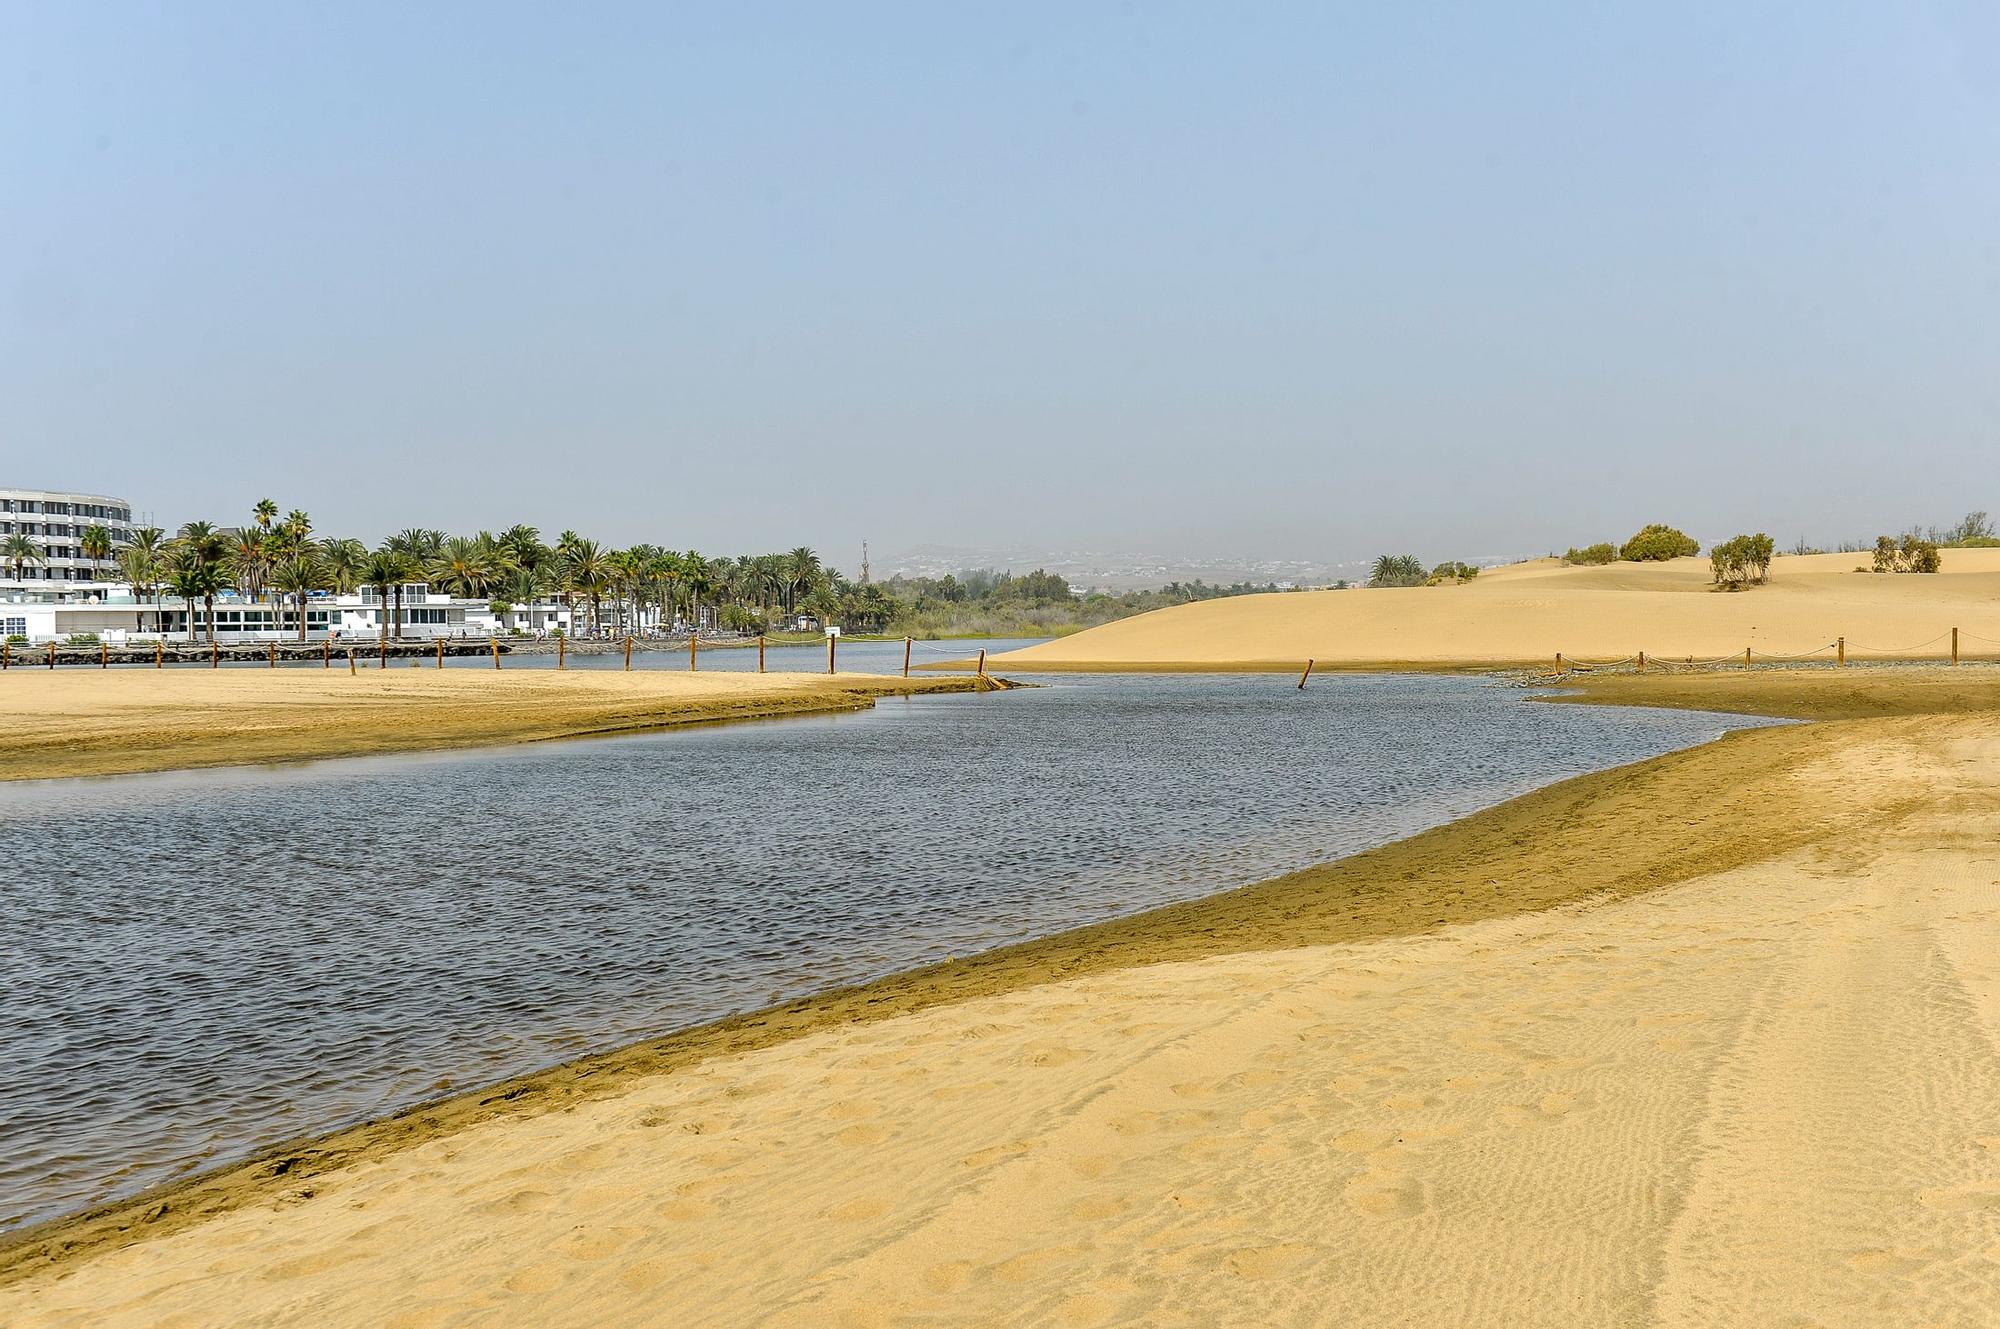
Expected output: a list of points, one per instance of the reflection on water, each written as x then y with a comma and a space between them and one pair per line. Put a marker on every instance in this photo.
200, 963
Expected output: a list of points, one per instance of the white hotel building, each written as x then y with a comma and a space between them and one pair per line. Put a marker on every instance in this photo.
60, 595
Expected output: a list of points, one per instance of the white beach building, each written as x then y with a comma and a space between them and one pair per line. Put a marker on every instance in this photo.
109, 612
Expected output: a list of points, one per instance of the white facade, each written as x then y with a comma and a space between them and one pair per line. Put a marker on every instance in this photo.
110, 613
56, 521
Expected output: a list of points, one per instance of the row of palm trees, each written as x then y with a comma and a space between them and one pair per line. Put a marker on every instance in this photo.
626, 590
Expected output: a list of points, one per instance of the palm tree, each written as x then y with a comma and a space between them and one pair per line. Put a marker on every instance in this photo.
264, 512
523, 585
699, 579
523, 545
384, 570
96, 546
250, 559
465, 567
418, 547
298, 575
140, 567
19, 551
196, 569
344, 560
586, 572
801, 569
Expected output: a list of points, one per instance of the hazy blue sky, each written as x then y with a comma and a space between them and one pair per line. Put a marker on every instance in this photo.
1294, 280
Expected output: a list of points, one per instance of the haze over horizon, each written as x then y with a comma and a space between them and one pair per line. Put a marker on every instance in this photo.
1285, 284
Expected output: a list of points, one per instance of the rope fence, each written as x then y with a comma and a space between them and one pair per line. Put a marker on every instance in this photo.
1932, 649
157, 653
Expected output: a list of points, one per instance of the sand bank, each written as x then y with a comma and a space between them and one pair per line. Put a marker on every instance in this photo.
111, 722
1706, 1040
1529, 611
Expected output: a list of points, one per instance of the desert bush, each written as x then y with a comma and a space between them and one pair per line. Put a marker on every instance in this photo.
1912, 553
1592, 555
1657, 544
1742, 561
1451, 573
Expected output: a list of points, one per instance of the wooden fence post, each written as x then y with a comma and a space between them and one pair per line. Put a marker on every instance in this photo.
562, 645
274, 655
52, 652
1305, 675
352, 668
6, 654
1642, 662
907, 641
159, 654
693, 639
982, 662
214, 655
1954, 646
493, 643
628, 651
103, 654
830, 640
1841, 646
440, 646
1746, 657
1559, 664
760, 652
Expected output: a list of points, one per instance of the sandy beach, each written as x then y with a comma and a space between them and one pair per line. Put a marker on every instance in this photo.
1707, 1040
1527, 612
82, 721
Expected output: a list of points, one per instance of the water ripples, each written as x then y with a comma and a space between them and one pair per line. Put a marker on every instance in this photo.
202, 963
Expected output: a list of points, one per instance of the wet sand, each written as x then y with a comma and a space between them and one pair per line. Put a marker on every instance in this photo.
80, 721
1709, 1039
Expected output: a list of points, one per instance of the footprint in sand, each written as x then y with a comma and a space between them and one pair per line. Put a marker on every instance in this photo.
855, 1136
1097, 1208
520, 1202
1561, 1103
1978, 1195
1360, 1141
536, 1279
1386, 1195
1029, 1267
1887, 1262
950, 1276
599, 1244
861, 1210
645, 1275
854, 1109
1053, 1056
1260, 1262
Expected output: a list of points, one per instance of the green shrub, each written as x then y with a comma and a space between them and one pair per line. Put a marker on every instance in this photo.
1657, 544
1451, 573
17, 639
1742, 561
1912, 553
1592, 555
81, 639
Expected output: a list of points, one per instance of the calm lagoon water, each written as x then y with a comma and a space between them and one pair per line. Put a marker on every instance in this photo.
196, 964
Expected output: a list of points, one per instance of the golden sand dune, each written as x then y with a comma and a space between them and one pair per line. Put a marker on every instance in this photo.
83, 721
1744, 1077
1530, 611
